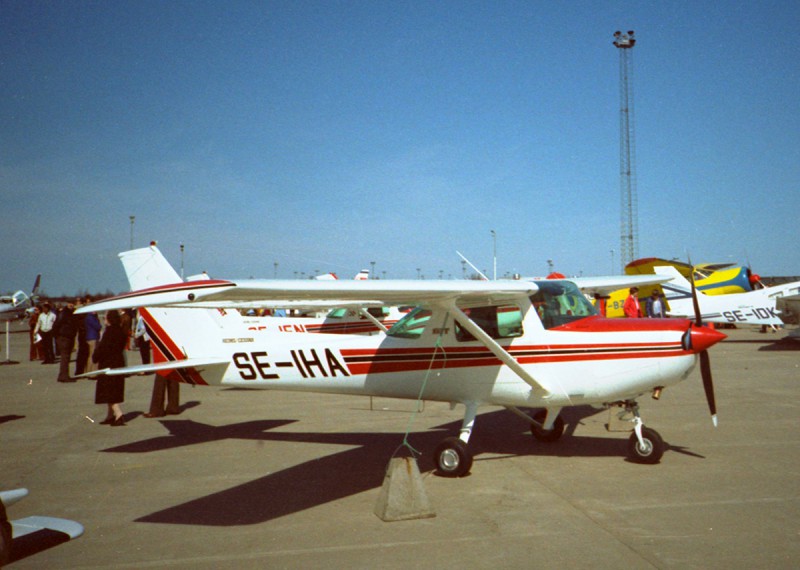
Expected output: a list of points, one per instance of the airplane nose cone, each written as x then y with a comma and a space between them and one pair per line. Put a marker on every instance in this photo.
704, 338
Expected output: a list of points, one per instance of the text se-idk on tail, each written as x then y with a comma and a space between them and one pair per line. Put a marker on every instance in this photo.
516, 344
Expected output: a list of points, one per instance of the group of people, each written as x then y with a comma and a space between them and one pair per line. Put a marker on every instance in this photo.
54, 332
655, 307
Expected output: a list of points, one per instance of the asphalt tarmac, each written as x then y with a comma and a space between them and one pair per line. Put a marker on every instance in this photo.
245, 479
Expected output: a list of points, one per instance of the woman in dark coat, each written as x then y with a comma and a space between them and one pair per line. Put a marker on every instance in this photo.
110, 353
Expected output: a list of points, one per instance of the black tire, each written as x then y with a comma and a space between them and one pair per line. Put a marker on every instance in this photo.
651, 452
453, 459
547, 436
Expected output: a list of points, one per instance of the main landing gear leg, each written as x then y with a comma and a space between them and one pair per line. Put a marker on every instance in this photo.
645, 445
453, 459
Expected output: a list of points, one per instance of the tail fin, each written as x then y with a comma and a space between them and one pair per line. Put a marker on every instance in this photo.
147, 267
178, 334
35, 290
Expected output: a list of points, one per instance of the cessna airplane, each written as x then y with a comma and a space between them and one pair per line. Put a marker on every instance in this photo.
757, 307
536, 344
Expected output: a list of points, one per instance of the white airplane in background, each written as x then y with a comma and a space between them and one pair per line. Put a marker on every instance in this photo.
23, 537
534, 344
346, 319
16, 306
757, 307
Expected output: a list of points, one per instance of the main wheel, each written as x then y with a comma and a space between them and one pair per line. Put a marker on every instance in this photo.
650, 452
453, 459
549, 435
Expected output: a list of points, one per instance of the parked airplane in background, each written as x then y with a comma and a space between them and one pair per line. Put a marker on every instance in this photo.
789, 307
515, 344
756, 307
710, 278
13, 307
23, 537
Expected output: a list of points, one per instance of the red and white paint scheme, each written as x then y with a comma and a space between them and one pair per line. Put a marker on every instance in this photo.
516, 344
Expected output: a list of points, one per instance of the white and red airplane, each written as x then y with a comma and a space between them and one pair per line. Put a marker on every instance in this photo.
756, 307
533, 344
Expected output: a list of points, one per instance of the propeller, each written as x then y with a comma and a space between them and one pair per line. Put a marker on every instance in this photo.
705, 361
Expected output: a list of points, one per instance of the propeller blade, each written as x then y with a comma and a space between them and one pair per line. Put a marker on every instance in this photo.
708, 384
698, 319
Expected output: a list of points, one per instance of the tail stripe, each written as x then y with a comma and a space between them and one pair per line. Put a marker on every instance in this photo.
169, 351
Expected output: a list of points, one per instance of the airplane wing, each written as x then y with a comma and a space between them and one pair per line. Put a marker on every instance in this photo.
605, 285
215, 293
647, 265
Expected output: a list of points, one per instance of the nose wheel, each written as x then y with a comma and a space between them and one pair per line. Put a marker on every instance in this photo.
645, 445
647, 449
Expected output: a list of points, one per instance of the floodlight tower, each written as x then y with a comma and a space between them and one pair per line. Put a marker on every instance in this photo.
629, 230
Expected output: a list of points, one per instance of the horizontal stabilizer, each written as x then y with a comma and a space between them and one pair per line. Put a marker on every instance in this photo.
153, 368
28, 525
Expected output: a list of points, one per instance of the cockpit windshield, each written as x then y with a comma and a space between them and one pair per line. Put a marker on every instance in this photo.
560, 302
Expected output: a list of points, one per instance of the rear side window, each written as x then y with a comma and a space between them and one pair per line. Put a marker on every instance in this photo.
497, 322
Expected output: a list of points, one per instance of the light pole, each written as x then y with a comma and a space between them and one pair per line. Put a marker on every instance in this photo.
133, 219
276, 269
182, 262
494, 254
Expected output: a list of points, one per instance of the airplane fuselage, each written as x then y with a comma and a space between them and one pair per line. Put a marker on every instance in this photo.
592, 360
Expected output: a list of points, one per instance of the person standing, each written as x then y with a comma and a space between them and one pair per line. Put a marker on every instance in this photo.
655, 306
65, 329
162, 387
110, 353
44, 328
631, 307
93, 327
82, 356
36, 347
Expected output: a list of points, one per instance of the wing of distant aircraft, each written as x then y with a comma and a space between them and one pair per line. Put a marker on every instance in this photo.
23, 537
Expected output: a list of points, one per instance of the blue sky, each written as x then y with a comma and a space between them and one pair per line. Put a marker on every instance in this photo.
323, 136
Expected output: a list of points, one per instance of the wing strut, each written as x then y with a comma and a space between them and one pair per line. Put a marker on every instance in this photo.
365, 313
497, 350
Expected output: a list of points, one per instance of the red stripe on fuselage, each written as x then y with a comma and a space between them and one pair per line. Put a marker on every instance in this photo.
364, 361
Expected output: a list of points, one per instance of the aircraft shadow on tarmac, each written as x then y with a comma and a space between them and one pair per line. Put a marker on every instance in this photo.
349, 472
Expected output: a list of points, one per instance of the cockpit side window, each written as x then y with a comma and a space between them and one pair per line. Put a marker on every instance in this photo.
560, 302
497, 322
